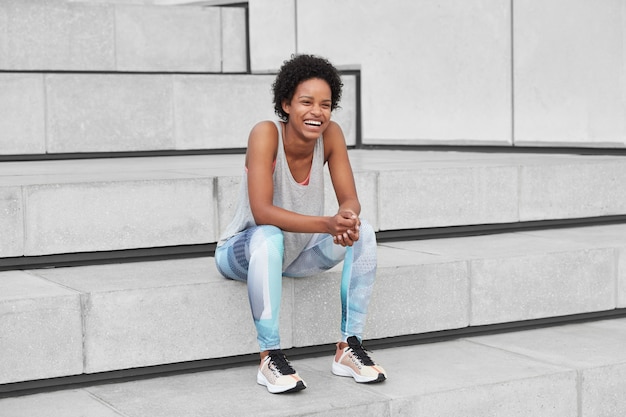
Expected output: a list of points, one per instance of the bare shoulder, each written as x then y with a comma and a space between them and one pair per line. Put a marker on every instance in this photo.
262, 143
264, 129
333, 130
333, 139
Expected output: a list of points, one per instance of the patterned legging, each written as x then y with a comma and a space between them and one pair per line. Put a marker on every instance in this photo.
255, 256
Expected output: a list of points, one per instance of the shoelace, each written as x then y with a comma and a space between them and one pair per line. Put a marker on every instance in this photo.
281, 363
360, 352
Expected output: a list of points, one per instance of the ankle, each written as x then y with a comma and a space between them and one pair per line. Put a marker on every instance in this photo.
342, 345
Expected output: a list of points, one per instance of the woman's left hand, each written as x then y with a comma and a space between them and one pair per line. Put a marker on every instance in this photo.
351, 235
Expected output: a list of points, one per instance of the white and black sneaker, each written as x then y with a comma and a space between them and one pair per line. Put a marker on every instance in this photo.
355, 361
276, 373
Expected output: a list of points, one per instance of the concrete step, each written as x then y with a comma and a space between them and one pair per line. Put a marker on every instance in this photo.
47, 113
90, 319
43, 35
570, 370
58, 207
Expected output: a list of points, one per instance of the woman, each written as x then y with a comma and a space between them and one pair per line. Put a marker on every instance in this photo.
279, 228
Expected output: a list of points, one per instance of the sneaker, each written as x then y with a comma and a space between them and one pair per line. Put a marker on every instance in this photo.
277, 374
354, 361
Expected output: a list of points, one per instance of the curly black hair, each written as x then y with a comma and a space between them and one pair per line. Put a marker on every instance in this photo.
301, 68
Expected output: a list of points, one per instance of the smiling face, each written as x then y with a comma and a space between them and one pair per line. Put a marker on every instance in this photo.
310, 108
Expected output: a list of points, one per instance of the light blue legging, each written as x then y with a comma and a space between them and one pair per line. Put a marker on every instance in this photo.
255, 256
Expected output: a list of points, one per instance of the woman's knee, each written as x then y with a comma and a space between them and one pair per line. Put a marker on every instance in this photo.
366, 232
269, 237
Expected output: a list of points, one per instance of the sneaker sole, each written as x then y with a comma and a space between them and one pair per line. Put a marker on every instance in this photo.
279, 389
343, 370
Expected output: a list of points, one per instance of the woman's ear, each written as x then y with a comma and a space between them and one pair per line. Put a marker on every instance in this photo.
285, 105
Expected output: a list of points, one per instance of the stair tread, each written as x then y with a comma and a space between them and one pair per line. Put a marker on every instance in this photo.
164, 167
531, 372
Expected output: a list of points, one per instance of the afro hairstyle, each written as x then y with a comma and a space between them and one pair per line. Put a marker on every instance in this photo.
301, 68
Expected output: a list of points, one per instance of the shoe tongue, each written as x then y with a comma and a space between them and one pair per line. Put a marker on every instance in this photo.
357, 348
281, 362
353, 342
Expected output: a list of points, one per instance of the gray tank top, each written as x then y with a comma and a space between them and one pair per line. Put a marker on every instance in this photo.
288, 194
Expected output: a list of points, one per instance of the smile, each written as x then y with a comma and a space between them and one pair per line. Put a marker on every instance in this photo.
312, 122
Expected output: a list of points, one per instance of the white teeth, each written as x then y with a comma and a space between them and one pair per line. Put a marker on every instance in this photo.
313, 123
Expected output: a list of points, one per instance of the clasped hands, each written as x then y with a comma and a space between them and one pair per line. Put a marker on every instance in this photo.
346, 228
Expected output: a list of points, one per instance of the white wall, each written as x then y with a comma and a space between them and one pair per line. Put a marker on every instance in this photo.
524, 72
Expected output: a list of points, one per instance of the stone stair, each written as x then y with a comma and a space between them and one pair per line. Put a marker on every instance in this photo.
100, 318
120, 142
569, 370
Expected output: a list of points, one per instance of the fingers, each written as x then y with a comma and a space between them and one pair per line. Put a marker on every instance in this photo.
347, 238
348, 219
347, 228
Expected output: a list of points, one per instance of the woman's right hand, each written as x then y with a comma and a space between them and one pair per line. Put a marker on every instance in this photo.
345, 228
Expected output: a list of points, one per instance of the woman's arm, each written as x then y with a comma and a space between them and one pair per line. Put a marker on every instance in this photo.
336, 154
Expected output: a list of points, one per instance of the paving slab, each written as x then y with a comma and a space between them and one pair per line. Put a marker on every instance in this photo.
143, 314
234, 39
573, 190
555, 371
122, 205
234, 392
66, 403
92, 112
167, 39
407, 299
595, 349
100, 216
431, 197
40, 329
11, 222
535, 274
57, 35
22, 107
182, 310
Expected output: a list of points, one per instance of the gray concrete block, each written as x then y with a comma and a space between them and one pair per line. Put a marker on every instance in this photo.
552, 284
549, 396
346, 114
317, 309
462, 95
96, 216
603, 391
572, 190
596, 349
22, 111
64, 403
621, 277
461, 378
411, 295
228, 189
218, 111
153, 38
109, 112
145, 314
212, 394
234, 39
559, 99
611, 235
41, 329
11, 222
56, 35
271, 43
447, 196
574, 346
367, 191
419, 299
